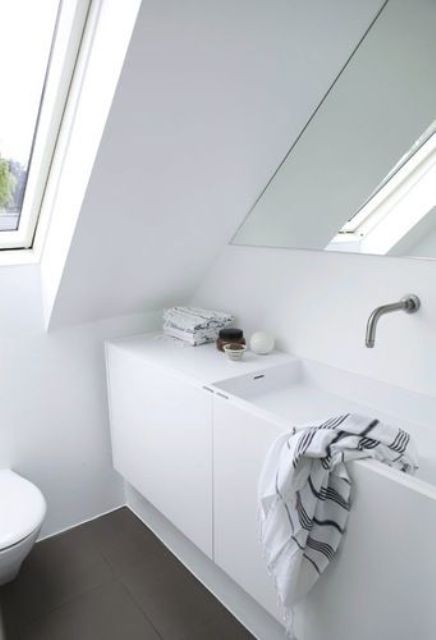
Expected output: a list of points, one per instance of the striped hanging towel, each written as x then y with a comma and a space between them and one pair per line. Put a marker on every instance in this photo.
304, 495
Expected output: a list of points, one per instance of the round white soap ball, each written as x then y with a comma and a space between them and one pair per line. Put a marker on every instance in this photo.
262, 342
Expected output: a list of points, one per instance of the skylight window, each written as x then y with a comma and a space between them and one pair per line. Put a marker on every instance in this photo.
38, 47
398, 206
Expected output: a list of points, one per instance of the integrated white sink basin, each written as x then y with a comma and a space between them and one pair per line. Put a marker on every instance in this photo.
304, 392
289, 392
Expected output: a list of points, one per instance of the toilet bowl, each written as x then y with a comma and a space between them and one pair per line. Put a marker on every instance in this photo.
22, 512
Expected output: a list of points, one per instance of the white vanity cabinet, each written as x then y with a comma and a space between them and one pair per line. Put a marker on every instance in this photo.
193, 450
241, 441
162, 440
190, 431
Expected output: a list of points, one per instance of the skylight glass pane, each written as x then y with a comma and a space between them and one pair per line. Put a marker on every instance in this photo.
27, 30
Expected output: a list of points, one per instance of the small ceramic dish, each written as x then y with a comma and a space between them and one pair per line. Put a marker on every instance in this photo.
234, 351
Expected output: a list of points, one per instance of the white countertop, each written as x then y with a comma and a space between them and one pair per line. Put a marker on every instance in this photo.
317, 391
203, 363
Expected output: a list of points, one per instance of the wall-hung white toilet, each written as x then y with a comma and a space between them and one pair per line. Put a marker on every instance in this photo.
22, 511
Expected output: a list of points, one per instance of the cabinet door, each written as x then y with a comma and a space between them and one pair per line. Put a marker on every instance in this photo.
241, 441
161, 441
382, 583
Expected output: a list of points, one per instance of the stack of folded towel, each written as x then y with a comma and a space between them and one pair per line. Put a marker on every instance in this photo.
194, 325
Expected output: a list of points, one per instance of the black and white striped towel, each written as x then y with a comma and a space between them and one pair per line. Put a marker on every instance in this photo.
304, 495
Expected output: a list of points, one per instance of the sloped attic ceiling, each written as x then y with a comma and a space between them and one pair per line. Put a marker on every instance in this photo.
210, 97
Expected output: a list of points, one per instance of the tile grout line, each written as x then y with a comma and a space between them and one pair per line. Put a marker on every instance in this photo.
181, 564
111, 578
138, 606
125, 587
66, 602
72, 598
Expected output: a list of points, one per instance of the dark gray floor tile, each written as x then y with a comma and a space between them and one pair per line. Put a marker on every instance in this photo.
125, 542
57, 570
111, 578
105, 613
175, 602
221, 627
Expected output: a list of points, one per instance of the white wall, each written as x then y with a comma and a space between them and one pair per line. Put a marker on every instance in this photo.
317, 305
54, 425
210, 98
103, 47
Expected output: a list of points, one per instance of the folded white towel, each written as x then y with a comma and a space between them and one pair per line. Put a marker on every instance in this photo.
192, 318
194, 339
193, 324
304, 495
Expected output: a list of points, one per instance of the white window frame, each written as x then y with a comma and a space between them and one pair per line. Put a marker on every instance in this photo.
395, 208
70, 26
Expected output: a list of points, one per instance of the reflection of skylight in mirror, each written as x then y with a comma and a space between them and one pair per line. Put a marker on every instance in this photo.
398, 205
413, 149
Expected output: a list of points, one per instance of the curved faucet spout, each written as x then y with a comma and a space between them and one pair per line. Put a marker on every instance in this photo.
409, 304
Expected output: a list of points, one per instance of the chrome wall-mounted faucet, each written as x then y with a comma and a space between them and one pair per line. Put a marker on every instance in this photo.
409, 304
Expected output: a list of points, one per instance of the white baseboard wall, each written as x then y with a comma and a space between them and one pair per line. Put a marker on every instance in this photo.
236, 600
80, 522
